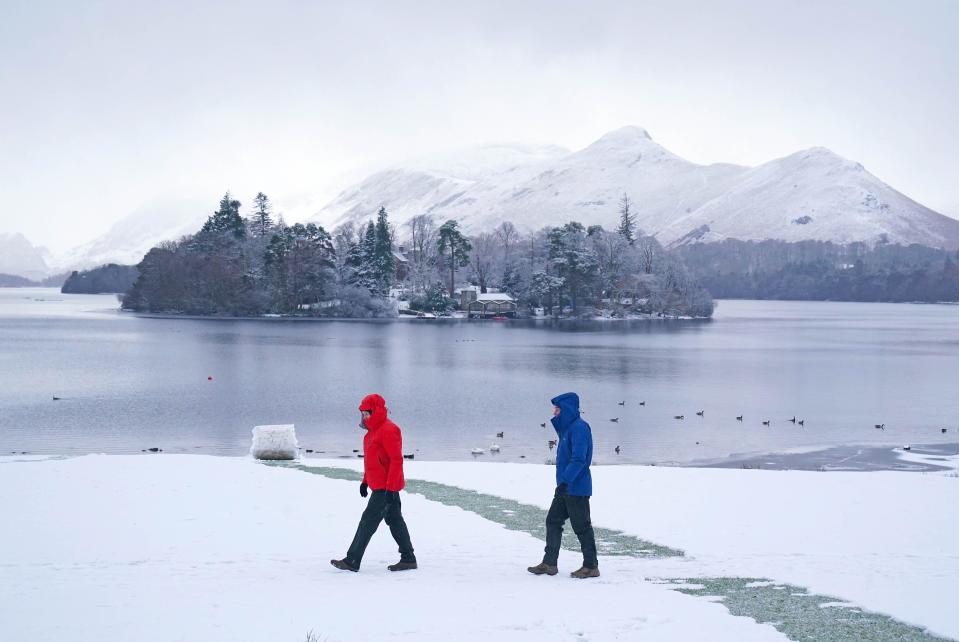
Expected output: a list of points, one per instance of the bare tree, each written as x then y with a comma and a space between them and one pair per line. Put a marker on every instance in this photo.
482, 258
508, 235
422, 253
647, 253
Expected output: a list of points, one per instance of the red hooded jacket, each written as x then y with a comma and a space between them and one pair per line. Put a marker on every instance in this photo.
382, 448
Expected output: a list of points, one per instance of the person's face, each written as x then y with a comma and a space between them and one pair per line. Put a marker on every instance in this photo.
556, 411
364, 415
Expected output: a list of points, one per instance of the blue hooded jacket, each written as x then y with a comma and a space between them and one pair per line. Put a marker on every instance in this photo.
574, 453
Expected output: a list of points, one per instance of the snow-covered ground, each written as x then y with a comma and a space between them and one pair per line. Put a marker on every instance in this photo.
883, 540
184, 547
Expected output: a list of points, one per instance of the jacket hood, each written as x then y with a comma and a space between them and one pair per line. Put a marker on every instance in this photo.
568, 404
377, 405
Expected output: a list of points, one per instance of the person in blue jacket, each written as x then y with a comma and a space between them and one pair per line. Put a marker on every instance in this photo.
574, 486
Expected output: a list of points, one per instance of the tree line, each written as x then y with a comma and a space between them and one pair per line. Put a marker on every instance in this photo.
821, 270
254, 265
106, 278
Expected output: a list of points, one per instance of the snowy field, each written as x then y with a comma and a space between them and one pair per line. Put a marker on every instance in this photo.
183, 547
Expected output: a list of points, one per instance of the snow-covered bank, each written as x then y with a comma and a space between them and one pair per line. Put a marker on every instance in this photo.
186, 547
883, 540
183, 547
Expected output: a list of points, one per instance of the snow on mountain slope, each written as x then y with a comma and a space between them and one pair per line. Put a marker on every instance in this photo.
813, 194
19, 257
132, 236
537, 189
587, 186
432, 183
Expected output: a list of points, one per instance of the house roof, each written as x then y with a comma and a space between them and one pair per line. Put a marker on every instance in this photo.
494, 296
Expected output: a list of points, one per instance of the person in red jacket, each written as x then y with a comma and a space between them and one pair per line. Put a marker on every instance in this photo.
383, 475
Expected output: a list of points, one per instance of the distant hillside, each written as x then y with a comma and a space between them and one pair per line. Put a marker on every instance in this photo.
813, 194
131, 237
823, 271
14, 281
20, 258
105, 279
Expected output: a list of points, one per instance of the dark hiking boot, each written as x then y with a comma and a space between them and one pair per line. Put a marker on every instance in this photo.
543, 569
402, 566
584, 572
343, 565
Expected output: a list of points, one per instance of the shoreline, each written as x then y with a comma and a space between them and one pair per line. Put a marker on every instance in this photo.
400, 317
941, 457
921, 458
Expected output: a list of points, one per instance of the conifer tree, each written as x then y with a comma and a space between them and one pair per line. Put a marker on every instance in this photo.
261, 221
454, 247
361, 259
384, 265
227, 218
627, 220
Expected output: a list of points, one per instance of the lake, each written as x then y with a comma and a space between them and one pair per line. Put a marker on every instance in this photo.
128, 383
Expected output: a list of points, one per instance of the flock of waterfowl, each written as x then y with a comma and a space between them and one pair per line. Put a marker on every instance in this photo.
551, 444
495, 448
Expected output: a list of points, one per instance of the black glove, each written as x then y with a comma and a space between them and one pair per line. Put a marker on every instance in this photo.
562, 490
363, 489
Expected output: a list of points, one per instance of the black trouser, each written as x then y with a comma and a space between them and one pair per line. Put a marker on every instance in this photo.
576, 509
383, 504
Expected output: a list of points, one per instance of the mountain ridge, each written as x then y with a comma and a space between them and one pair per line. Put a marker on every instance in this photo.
811, 194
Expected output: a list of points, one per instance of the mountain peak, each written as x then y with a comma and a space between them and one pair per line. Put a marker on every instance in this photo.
823, 156
625, 136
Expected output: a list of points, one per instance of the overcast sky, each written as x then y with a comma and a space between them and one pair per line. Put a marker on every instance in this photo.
108, 106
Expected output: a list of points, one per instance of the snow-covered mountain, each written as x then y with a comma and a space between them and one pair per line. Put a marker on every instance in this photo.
435, 183
132, 236
19, 257
813, 194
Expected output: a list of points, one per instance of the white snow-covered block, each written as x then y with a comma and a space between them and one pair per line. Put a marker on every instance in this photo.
274, 442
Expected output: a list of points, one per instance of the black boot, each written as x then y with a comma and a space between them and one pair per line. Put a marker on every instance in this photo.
402, 566
344, 565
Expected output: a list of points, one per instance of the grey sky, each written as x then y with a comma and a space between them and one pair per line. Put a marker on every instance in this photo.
107, 106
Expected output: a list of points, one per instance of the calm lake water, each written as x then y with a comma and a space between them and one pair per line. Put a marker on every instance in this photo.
129, 383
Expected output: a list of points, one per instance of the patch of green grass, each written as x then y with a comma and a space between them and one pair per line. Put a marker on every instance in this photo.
511, 514
800, 615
